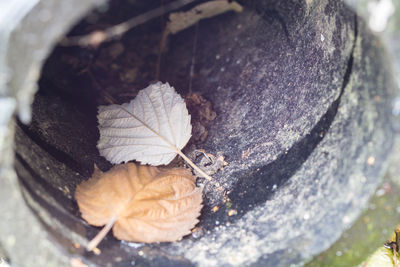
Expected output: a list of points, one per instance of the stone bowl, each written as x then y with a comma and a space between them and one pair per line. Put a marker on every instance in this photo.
301, 93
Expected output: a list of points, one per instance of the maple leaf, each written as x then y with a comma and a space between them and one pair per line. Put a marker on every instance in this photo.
152, 128
140, 203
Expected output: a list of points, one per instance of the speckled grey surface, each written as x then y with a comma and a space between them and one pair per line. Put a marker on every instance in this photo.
326, 193
24, 44
271, 72
301, 91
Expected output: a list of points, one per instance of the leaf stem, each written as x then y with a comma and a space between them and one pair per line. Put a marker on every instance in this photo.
191, 163
208, 177
100, 236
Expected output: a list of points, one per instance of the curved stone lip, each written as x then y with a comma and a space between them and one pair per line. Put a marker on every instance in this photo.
230, 242
252, 194
19, 227
275, 179
213, 145
290, 159
17, 89
258, 237
20, 209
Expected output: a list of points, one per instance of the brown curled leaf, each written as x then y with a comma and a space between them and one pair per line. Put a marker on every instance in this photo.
141, 203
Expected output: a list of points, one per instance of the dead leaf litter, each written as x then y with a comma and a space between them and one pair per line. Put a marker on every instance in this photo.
142, 203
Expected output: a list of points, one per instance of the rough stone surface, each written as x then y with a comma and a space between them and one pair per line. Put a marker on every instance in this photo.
302, 94
271, 77
325, 194
24, 43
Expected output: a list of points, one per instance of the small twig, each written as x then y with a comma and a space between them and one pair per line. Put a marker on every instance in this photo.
95, 38
163, 41
109, 98
191, 74
100, 235
178, 21
105, 94
394, 250
208, 156
194, 166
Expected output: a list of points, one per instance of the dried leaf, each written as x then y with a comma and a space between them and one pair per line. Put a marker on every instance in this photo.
182, 20
152, 128
146, 203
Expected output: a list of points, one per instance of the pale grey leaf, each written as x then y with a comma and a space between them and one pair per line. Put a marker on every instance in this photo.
152, 128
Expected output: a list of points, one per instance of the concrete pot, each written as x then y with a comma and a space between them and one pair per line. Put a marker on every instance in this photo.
302, 93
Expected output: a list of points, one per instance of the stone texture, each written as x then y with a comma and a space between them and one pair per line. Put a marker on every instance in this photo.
24, 43
302, 94
326, 193
270, 76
